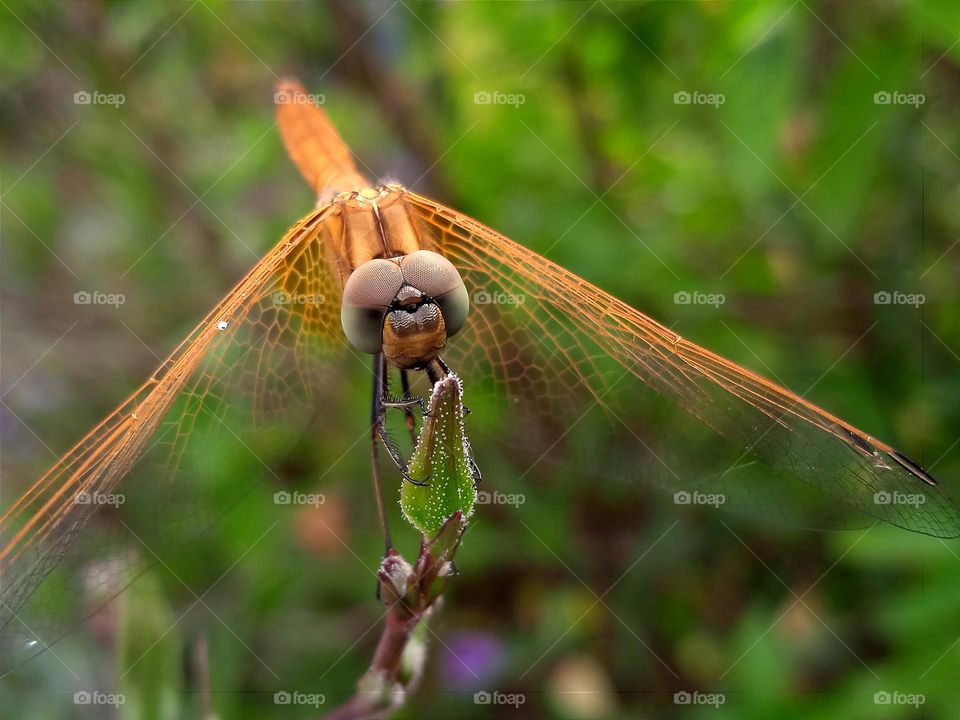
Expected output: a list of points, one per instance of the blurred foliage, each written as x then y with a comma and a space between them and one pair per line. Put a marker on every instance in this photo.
149, 645
798, 198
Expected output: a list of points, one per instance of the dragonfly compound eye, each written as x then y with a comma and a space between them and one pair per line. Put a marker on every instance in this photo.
437, 278
367, 295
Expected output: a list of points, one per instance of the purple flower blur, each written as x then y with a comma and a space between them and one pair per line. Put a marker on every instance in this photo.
471, 660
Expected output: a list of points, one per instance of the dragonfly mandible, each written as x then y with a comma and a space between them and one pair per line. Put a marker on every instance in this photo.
382, 270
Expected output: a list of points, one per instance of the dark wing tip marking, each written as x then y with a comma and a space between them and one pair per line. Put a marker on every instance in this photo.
911, 466
858, 443
862, 445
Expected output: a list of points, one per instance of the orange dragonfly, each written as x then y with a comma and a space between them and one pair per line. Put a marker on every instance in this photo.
380, 269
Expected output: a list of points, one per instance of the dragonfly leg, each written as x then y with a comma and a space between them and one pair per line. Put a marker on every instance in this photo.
406, 403
411, 420
474, 469
436, 370
394, 454
380, 404
379, 376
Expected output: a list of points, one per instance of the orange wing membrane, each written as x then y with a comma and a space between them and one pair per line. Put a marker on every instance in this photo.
182, 449
580, 327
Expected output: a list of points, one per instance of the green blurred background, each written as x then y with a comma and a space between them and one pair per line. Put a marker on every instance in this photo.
797, 198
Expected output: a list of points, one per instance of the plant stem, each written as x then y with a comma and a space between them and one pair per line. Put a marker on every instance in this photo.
410, 593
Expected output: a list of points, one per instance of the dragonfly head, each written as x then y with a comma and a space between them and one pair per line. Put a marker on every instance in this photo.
405, 307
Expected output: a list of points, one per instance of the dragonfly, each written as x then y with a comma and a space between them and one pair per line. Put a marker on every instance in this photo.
376, 269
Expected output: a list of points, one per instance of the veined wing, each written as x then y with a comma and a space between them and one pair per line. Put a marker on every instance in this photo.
552, 334
216, 416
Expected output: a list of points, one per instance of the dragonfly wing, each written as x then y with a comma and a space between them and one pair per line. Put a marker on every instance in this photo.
218, 415
548, 336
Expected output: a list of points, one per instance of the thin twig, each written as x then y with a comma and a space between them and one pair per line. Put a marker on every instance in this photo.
411, 593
